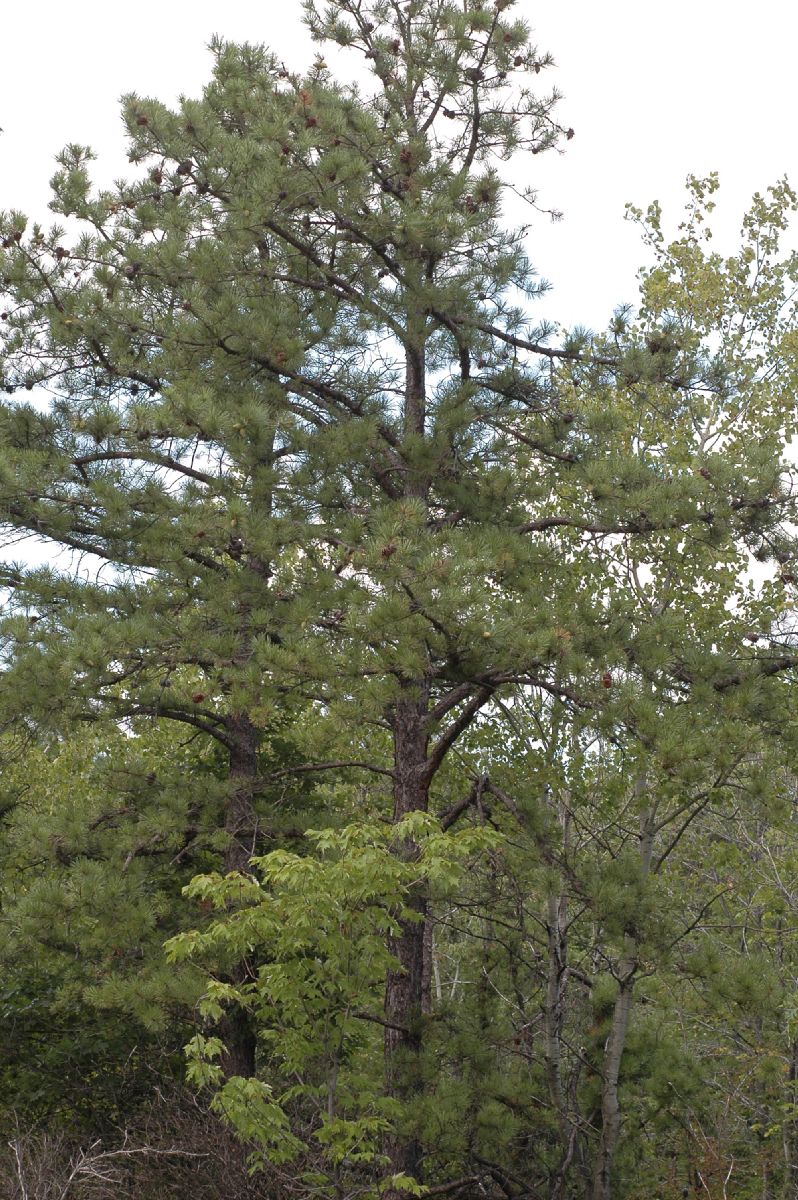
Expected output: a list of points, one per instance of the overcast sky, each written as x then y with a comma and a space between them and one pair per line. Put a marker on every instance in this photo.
653, 91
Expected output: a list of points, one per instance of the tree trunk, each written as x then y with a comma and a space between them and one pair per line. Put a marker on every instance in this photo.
240, 824
610, 1105
554, 1011
407, 988
556, 922
616, 1041
790, 1133
239, 814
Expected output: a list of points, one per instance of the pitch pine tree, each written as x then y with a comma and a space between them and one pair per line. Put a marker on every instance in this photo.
300, 409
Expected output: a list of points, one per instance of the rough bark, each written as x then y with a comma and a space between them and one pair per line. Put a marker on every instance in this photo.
407, 988
239, 814
240, 824
415, 410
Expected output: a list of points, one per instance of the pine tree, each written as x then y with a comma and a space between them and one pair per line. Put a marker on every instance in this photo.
302, 414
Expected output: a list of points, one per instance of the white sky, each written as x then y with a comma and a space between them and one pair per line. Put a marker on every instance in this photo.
654, 91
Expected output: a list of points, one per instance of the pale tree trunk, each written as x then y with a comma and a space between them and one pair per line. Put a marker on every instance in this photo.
554, 1016
790, 1134
555, 996
614, 1047
613, 1055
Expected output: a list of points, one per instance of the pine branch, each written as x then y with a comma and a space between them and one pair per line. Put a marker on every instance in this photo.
450, 735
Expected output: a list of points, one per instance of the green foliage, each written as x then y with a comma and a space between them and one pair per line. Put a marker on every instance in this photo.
316, 992
478, 833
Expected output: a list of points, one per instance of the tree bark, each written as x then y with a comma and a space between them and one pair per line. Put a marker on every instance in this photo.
610, 1104
236, 1028
616, 1041
415, 410
556, 923
408, 986
239, 814
790, 1133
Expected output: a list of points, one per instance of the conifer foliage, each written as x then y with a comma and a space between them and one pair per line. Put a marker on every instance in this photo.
358, 524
